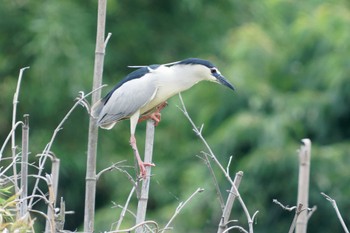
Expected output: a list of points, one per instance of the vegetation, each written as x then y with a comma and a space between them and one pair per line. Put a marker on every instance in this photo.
289, 62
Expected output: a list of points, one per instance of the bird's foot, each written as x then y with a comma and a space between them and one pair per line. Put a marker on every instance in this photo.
156, 115
142, 166
161, 106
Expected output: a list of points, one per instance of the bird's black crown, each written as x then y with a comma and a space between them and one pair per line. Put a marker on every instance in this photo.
196, 61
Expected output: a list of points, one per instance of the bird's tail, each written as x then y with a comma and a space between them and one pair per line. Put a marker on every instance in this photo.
96, 113
97, 108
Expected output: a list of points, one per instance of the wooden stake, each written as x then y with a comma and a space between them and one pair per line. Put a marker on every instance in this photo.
143, 199
90, 190
303, 185
24, 166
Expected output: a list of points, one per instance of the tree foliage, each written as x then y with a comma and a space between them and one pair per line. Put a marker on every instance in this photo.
289, 62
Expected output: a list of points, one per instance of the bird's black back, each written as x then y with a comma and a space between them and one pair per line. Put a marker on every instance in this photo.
133, 75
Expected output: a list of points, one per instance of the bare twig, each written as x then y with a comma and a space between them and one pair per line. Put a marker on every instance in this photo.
9, 136
199, 134
298, 210
122, 214
14, 113
137, 226
6, 169
127, 210
334, 204
311, 211
212, 155
107, 39
215, 181
110, 168
241, 229
283, 206
179, 208
47, 150
228, 165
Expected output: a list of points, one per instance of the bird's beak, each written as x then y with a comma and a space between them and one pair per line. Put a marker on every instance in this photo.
222, 80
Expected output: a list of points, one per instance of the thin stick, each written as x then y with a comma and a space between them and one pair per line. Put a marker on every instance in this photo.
9, 136
47, 150
241, 229
13, 138
199, 134
90, 186
334, 204
137, 226
142, 203
283, 206
108, 169
122, 214
212, 155
303, 184
179, 208
215, 181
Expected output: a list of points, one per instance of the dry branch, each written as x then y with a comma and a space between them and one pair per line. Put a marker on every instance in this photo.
179, 208
334, 204
137, 226
9, 136
47, 150
285, 207
13, 136
122, 214
215, 181
198, 132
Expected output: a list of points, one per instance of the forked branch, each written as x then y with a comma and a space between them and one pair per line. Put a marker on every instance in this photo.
198, 132
334, 204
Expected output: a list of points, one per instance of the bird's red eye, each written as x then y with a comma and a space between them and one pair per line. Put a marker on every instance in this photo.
213, 70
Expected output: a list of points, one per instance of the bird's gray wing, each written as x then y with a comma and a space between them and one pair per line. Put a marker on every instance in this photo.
126, 100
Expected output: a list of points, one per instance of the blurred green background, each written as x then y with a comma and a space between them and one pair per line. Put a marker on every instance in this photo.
290, 64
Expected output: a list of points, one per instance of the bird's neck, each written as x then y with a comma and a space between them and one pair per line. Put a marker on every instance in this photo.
184, 77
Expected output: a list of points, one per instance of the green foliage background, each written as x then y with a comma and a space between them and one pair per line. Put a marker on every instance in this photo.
290, 64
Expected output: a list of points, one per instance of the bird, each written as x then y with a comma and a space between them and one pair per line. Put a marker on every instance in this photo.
143, 93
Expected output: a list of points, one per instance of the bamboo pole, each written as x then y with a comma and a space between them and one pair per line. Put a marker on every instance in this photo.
24, 166
303, 185
55, 168
90, 190
229, 202
143, 199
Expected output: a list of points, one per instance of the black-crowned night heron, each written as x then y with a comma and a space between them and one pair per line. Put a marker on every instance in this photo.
143, 93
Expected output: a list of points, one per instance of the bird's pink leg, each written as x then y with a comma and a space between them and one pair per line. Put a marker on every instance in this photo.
156, 115
141, 164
